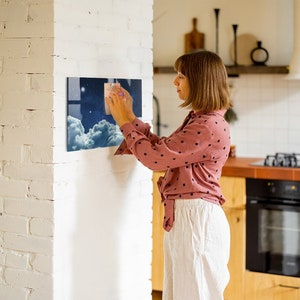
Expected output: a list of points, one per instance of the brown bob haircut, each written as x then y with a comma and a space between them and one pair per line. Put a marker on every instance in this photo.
208, 81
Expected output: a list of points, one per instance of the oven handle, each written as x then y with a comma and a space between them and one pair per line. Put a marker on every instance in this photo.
271, 202
289, 286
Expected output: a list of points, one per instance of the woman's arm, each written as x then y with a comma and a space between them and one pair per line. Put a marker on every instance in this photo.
120, 104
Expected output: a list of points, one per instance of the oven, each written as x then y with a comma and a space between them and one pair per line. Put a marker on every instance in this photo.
273, 226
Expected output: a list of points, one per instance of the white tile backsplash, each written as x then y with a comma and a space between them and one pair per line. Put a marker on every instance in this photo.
268, 109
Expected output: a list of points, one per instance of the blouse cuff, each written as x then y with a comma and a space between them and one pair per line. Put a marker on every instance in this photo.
126, 129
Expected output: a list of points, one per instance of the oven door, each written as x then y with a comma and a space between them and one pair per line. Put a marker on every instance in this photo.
273, 237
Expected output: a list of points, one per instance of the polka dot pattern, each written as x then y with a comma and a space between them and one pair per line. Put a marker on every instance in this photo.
193, 156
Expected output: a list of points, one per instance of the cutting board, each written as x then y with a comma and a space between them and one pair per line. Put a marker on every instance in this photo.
194, 40
245, 43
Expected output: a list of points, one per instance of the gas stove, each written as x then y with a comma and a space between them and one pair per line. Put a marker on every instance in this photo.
279, 159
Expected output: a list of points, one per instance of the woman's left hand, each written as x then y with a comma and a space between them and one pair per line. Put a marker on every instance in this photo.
168, 215
120, 104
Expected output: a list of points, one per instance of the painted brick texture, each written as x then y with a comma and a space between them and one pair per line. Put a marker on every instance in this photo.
73, 226
26, 149
103, 203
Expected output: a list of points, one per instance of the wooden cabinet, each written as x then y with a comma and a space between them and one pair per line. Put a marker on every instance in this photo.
157, 237
234, 191
236, 265
260, 286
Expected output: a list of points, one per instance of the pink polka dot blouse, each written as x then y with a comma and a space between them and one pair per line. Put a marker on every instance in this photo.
192, 156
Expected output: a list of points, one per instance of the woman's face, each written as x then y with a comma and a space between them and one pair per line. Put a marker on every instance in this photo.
182, 86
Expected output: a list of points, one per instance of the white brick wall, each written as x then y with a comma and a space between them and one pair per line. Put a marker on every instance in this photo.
82, 218
16, 260
103, 203
26, 177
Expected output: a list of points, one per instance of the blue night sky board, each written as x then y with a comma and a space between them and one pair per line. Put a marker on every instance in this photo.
88, 125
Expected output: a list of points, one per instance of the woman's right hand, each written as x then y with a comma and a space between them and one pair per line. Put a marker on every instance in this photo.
120, 104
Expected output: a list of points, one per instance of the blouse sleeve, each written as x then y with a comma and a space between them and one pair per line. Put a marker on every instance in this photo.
195, 143
139, 126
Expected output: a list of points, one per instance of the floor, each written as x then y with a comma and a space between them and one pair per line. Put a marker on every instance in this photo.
156, 295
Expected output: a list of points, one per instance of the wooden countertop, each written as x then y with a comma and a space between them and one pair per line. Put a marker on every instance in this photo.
241, 167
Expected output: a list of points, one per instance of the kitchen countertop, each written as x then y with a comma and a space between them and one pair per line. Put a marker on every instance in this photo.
240, 167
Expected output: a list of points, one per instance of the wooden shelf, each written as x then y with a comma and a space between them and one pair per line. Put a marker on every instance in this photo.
163, 70
256, 69
236, 70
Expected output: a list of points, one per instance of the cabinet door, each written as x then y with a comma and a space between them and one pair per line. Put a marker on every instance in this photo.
234, 191
236, 265
260, 286
157, 237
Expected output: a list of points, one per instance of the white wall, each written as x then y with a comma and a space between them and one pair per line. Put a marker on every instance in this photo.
26, 131
72, 225
268, 109
103, 207
270, 21
268, 106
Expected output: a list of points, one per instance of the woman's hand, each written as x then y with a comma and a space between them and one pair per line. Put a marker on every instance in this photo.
168, 214
120, 105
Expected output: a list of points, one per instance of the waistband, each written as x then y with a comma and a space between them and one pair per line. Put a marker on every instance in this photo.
193, 202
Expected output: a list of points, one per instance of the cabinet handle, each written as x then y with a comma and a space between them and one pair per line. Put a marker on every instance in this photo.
290, 286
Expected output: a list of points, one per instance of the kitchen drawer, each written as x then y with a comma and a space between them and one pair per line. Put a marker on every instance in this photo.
261, 286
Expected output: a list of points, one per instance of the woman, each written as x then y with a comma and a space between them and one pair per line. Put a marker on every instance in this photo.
197, 237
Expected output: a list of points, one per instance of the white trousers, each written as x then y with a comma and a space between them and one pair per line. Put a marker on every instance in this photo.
196, 252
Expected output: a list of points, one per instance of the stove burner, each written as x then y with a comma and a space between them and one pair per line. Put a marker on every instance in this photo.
289, 160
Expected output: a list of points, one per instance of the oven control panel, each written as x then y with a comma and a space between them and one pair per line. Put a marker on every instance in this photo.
264, 188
